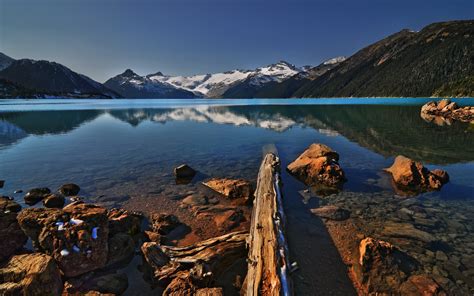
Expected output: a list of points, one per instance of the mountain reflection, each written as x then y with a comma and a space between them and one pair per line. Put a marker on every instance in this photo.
387, 130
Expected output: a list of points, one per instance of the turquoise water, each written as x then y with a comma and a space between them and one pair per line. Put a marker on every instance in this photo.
122, 152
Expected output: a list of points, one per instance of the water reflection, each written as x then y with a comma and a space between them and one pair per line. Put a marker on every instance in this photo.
386, 130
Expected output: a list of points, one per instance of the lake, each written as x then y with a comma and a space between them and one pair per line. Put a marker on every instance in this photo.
122, 154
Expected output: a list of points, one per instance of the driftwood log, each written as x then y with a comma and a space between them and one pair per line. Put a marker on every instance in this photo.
268, 264
184, 270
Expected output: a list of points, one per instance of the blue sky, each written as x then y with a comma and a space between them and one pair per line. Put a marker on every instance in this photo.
101, 38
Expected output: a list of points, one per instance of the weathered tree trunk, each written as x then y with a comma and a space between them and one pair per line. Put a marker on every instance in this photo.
268, 269
186, 269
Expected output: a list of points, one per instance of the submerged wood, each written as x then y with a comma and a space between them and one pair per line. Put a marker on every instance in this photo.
268, 264
197, 264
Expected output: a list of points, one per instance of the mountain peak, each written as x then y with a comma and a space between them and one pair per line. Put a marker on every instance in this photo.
128, 73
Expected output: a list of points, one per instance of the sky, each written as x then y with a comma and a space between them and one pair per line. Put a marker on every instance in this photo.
102, 38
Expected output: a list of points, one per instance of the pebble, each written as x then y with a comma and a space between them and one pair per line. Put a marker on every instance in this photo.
64, 252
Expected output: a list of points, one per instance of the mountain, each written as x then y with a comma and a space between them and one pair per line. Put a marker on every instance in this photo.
131, 85
5, 61
438, 60
43, 78
263, 77
287, 87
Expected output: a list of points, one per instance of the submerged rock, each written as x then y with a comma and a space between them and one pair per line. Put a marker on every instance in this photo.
331, 212
30, 274
122, 221
184, 171
54, 200
231, 188
421, 285
406, 230
69, 189
412, 177
35, 195
92, 283
318, 165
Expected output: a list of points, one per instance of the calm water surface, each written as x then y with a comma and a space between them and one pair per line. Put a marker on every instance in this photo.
120, 151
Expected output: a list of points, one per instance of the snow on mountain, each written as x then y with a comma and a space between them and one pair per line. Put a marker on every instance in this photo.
335, 60
214, 85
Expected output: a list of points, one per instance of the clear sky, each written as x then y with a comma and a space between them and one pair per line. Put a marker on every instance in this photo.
101, 38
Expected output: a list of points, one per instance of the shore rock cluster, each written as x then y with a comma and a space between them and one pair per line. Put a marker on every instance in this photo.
445, 111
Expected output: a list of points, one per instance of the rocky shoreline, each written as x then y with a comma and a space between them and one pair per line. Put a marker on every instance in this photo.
445, 112
391, 244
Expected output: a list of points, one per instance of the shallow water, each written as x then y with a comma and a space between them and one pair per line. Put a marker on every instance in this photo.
123, 151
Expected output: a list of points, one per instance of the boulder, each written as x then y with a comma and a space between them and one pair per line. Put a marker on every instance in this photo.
231, 188
12, 237
122, 221
76, 237
54, 200
210, 292
8, 205
69, 189
318, 165
381, 267
331, 212
443, 112
35, 195
406, 230
30, 274
184, 171
450, 107
228, 220
412, 177
163, 223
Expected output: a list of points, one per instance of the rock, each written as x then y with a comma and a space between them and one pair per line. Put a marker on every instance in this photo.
229, 219
184, 171
12, 237
231, 188
54, 200
406, 230
8, 205
450, 107
35, 195
331, 212
441, 256
381, 268
421, 285
209, 292
181, 285
32, 221
153, 236
70, 189
443, 103
195, 200
412, 177
110, 283
163, 223
318, 165
122, 221
30, 274
76, 236
2, 183
121, 248
429, 107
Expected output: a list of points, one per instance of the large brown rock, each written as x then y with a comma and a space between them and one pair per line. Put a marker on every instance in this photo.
54, 200
412, 177
69, 189
101, 283
122, 221
421, 284
231, 188
445, 111
12, 237
318, 165
76, 237
381, 267
163, 223
30, 274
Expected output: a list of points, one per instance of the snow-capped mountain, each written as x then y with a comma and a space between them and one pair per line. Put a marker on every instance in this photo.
216, 85
335, 60
131, 85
